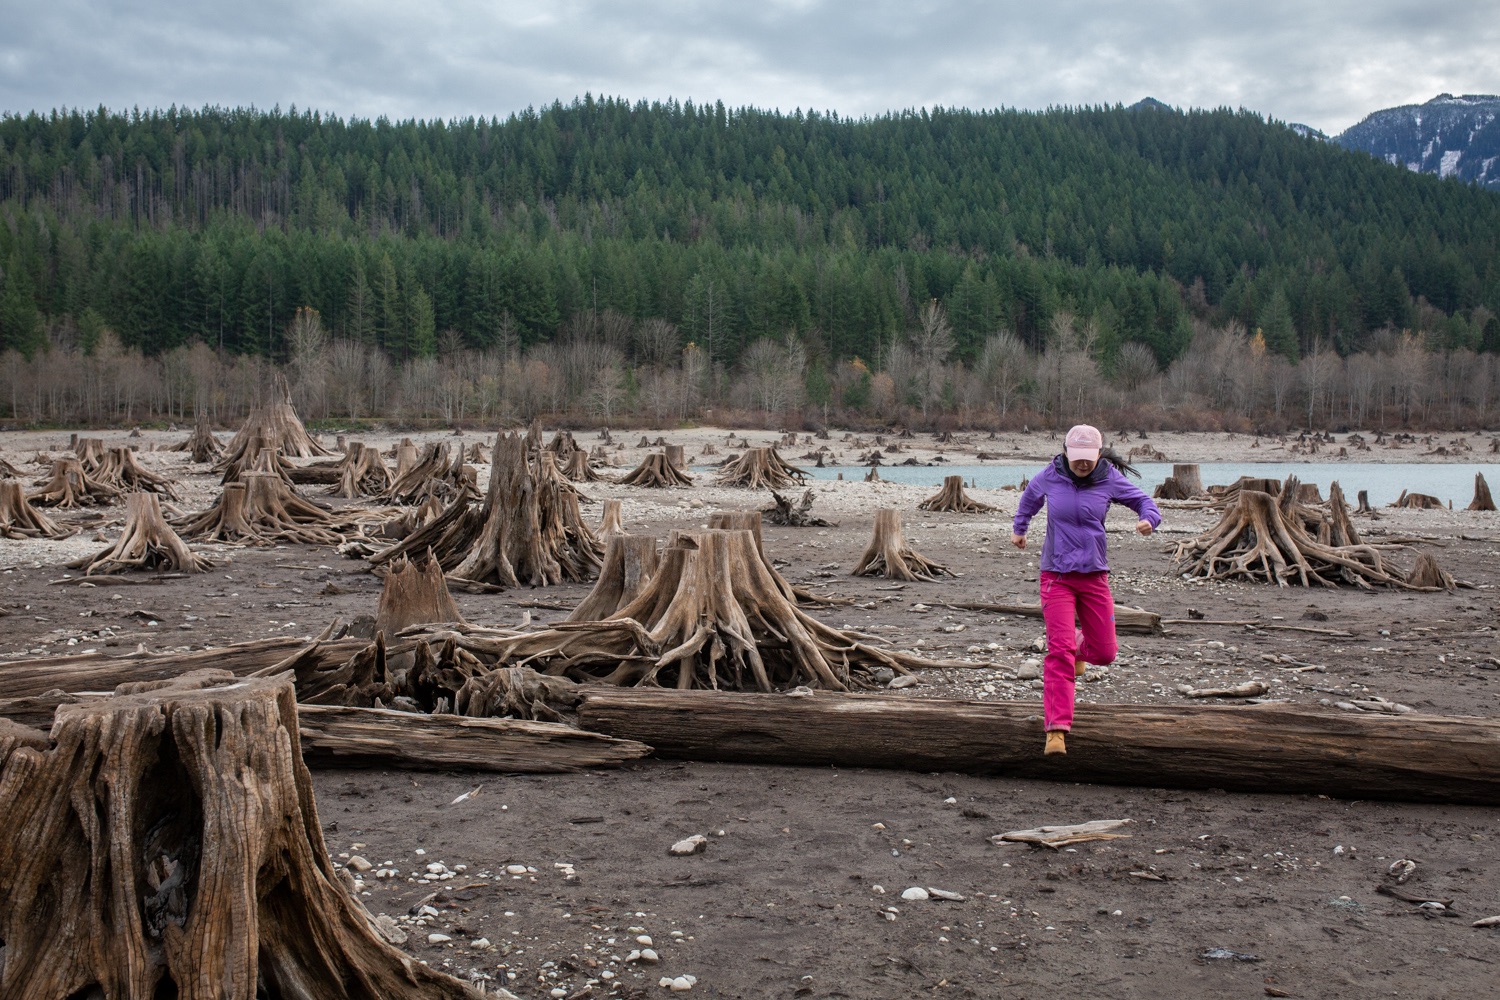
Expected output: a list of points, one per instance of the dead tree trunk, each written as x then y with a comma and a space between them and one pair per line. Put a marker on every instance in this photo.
146, 543
1189, 478
953, 498
120, 469
630, 561
70, 486
674, 453
201, 443
889, 556
262, 509
165, 842
656, 472
610, 522
1482, 499
278, 427
759, 468
362, 473
1284, 749
873, 476
798, 515
415, 593
18, 519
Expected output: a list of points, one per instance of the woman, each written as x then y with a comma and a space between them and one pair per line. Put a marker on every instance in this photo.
1077, 488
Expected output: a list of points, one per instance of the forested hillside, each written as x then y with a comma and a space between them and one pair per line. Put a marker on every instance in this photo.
171, 228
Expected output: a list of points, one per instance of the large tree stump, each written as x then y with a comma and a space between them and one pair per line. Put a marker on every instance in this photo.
70, 486
753, 522
120, 469
414, 593
759, 468
165, 842
202, 444
255, 456
610, 520
953, 498
1482, 499
90, 452
146, 543
362, 473
888, 554
630, 561
262, 509
278, 427
655, 471
436, 474
18, 519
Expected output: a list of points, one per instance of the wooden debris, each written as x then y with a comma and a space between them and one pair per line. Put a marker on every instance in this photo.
1058, 837
783, 512
952, 498
147, 542
1127, 619
759, 468
889, 556
18, 519
1249, 689
438, 473
656, 472
1273, 747
414, 593
204, 864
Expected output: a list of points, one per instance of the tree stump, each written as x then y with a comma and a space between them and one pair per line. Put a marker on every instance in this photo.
90, 452
611, 522
120, 469
799, 515
1428, 575
202, 444
759, 468
146, 543
362, 473
1482, 499
164, 842
873, 476
415, 593
475, 454
70, 486
953, 498
888, 554
18, 519
1418, 501
262, 509
278, 427
675, 455
437, 473
1364, 503
562, 445
630, 561
406, 455
255, 456
1188, 476
656, 472
579, 469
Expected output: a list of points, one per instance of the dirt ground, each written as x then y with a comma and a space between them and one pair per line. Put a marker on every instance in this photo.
799, 890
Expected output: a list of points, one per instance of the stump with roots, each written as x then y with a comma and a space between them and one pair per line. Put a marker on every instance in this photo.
8, 471
278, 427
1418, 501
260, 509
527, 532
437, 473
889, 556
18, 519
630, 561
753, 522
121, 469
655, 471
201, 444
578, 468
562, 445
1224, 496
759, 468
255, 456
1482, 499
147, 542
873, 476
713, 616
164, 842
1185, 483
89, 451
415, 593
610, 521
953, 498
362, 473
799, 515
405, 454
1280, 539
70, 486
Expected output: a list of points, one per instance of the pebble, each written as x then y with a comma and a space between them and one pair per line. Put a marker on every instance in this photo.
644, 939
682, 984
389, 929
436, 868
1029, 671
480, 943
650, 956
438, 939
515, 869
358, 864
915, 892
946, 894
696, 844
557, 993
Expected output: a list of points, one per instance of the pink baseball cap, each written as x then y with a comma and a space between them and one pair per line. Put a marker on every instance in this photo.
1084, 442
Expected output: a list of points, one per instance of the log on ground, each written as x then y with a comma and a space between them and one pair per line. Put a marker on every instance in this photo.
1276, 748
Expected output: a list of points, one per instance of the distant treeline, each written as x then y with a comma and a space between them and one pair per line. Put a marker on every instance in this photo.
176, 227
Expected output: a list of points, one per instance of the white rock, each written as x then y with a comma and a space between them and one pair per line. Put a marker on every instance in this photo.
557, 993
389, 929
436, 868
358, 864
945, 894
428, 911
649, 955
681, 985
515, 869
696, 844
1029, 671
438, 939
644, 939
665, 982
479, 943
915, 892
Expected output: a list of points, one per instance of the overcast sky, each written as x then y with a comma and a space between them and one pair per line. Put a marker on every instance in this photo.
1326, 64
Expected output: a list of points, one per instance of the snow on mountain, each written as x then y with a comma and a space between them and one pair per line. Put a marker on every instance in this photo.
1448, 136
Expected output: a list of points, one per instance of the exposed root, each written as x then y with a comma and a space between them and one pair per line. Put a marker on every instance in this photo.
889, 556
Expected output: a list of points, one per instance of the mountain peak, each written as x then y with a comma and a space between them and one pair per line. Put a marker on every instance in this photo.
1448, 136
1149, 104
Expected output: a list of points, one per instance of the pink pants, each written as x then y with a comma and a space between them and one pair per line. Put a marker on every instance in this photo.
1066, 597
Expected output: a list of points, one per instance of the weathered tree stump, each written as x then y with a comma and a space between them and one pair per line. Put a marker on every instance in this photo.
952, 498
579, 469
255, 456
873, 476
1418, 501
202, 444
1364, 503
277, 426
676, 456
1188, 476
18, 519
630, 561
262, 509
147, 542
562, 445
1482, 499
889, 556
90, 452
753, 522
165, 842
1428, 575
437, 473
611, 521
415, 593
70, 486
362, 473
120, 469
476, 454
8, 471
759, 468
656, 472
799, 515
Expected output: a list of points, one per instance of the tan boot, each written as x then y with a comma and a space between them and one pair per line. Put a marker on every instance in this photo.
1056, 742
1079, 668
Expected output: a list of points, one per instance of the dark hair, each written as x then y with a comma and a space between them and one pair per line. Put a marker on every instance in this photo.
1111, 456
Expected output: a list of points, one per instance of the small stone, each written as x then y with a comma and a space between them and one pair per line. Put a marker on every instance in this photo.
649, 956
681, 985
904, 681
358, 864
436, 868
915, 892
389, 929
1029, 671
946, 894
696, 844
557, 993
515, 869
644, 939
480, 943
428, 911
438, 939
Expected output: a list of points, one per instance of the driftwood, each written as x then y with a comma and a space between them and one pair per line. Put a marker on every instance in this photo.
1482, 499
277, 426
147, 542
121, 470
165, 842
889, 556
202, 444
759, 468
1057, 837
630, 561
414, 593
1127, 619
18, 519
1249, 689
953, 498
1279, 748
70, 486
783, 512
655, 471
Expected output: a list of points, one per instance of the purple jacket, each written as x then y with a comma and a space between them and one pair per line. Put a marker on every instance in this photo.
1075, 513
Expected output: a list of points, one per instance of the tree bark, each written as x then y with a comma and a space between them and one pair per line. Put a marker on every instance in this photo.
414, 593
165, 842
1263, 748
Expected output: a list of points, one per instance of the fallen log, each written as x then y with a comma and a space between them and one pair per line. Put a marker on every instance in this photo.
1279, 748
1127, 619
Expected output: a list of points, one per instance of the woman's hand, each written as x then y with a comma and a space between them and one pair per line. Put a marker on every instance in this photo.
1019, 541
1144, 527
